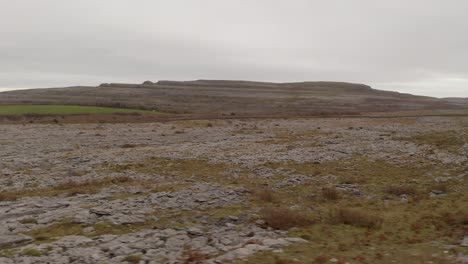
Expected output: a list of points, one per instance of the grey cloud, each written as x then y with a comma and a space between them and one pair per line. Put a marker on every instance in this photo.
410, 46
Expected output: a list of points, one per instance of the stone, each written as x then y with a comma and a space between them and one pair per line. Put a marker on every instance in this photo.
275, 243
464, 242
296, 240
10, 240
177, 242
193, 231
100, 212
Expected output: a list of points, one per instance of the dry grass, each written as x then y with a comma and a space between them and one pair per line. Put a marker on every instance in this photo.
355, 217
450, 141
400, 190
284, 218
68, 188
134, 259
193, 256
8, 196
266, 195
330, 194
442, 186
128, 146
279, 260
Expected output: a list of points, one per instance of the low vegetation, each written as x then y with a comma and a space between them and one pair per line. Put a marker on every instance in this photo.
31, 252
450, 140
355, 217
62, 110
69, 188
284, 218
133, 259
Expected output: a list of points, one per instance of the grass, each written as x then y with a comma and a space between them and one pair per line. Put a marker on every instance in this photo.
195, 169
451, 140
330, 194
62, 110
134, 259
266, 195
28, 221
355, 217
284, 218
31, 252
67, 228
398, 190
69, 188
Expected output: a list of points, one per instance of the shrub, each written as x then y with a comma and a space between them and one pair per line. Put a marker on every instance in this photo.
279, 260
128, 146
192, 256
134, 259
439, 187
31, 252
284, 218
28, 221
8, 197
330, 194
355, 217
266, 195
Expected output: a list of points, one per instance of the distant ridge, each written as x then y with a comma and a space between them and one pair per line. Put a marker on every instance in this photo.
235, 97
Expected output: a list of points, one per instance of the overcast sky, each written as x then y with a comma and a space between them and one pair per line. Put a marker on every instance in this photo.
416, 46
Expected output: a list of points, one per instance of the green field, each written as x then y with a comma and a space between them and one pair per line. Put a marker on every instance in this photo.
62, 110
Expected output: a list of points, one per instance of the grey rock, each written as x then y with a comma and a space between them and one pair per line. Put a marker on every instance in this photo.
9, 240
275, 243
177, 242
296, 240
100, 212
464, 242
193, 231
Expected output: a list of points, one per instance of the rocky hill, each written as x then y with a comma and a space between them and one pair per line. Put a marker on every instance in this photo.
239, 97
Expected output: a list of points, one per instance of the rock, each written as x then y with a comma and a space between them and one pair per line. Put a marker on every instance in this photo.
83, 217
296, 240
9, 240
464, 242
350, 188
193, 231
437, 194
89, 229
462, 259
240, 253
260, 222
122, 219
85, 255
201, 199
275, 243
73, 241
177, 242
100, 212
256, 247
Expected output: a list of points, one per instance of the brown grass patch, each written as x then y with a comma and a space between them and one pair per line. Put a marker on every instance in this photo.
8, 196
330, 194
128, 146
284, 218
266, 195
193, 256
400, 190
355, 217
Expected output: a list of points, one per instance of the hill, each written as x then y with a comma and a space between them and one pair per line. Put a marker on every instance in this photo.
239, 97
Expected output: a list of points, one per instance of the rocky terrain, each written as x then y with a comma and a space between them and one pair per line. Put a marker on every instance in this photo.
236, 97
355, 190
